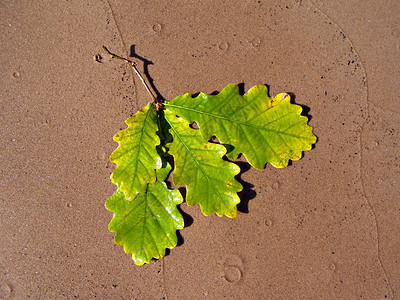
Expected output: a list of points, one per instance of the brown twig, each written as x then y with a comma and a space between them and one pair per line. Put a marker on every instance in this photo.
133, 65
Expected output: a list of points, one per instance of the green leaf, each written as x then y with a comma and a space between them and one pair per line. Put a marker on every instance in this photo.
147, 225
136, 156
264, 129
199, 165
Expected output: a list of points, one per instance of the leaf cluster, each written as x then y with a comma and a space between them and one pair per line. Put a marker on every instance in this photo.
263, 129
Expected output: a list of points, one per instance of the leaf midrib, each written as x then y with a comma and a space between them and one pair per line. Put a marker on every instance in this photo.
196, 161
238, 122
136, 161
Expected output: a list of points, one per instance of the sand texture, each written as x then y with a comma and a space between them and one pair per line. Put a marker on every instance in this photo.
325, 227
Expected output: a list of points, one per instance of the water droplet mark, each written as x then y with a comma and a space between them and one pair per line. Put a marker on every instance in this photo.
256, 42
223, 46
16, 75
276, 185
157, 28
332, 266
233, 269
101, 156
232, 274
45, 122
5, 290
268, 222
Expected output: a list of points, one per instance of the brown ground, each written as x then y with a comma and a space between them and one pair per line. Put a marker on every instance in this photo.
326, 227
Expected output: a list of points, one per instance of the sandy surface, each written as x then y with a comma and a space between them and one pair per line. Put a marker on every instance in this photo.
326, 227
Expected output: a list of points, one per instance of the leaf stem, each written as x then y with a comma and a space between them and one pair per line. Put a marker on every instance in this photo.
133, 65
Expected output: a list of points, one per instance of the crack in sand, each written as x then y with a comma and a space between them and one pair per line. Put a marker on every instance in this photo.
360, 146
123, 45
135, 90
163, 277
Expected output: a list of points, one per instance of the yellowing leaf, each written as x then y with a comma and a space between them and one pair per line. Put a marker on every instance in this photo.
264, 129
136, 156
199, 165
146, 225
146, 216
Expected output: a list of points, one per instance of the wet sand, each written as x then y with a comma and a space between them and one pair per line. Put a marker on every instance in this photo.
325, 227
